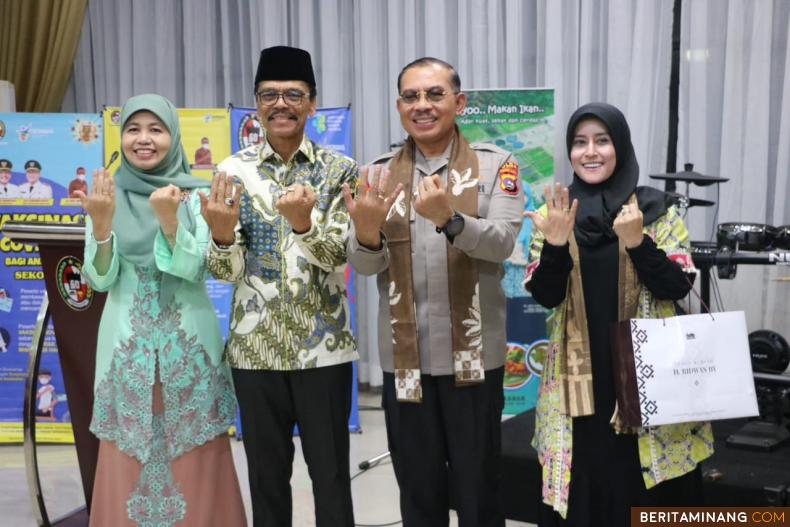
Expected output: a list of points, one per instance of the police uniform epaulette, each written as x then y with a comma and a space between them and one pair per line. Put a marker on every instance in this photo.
490, 147
383, 158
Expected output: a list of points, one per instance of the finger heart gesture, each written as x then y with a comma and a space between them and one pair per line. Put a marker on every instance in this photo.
99, 203
628, 225
296, 204
165, 201
433, 201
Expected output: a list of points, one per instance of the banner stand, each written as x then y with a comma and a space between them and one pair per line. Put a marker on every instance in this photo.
330, 127
76, 313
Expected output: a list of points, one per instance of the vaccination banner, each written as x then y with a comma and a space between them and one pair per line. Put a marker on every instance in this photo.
44, 159
520, 121
330, 127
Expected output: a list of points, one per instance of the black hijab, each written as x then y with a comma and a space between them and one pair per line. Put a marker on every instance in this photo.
600, 203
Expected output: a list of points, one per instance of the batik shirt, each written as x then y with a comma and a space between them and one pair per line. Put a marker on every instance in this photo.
290, 310
666, 451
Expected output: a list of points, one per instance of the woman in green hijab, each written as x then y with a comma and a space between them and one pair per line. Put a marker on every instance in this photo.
163, 395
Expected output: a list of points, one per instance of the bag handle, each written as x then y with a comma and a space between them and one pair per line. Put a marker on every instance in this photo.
701, 301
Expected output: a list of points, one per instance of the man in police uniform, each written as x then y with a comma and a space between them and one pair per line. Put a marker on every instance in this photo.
434, 220
7, 189
34, 188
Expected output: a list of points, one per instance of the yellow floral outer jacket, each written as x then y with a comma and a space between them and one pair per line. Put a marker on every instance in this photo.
665, 452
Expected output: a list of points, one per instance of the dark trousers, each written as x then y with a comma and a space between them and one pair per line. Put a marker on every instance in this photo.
319, 401
450, 443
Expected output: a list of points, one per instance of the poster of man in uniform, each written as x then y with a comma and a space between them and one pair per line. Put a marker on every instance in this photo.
40, 157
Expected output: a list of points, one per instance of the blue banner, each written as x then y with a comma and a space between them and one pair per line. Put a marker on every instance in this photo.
44, 158
330, 127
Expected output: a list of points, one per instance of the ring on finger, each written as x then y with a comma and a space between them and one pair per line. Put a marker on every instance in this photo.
229, 202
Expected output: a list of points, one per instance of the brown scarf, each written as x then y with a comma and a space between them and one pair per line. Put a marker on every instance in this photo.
576, 378
462, 274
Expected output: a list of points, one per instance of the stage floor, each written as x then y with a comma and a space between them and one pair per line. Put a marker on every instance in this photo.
731, 476
375, 493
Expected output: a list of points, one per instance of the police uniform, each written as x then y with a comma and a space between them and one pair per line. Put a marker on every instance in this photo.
455, 425
7, 190
37, 190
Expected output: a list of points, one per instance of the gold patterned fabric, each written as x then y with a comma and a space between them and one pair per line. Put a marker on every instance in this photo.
576, 377
576, 386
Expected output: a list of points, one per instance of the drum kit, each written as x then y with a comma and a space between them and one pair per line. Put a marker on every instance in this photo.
687, 176
736, 242
752, 244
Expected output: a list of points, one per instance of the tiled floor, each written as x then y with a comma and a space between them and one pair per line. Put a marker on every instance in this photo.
375, 492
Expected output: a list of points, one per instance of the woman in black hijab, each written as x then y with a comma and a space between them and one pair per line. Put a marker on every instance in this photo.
605, 250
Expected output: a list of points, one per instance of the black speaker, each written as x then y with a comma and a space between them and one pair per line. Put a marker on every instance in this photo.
769, 350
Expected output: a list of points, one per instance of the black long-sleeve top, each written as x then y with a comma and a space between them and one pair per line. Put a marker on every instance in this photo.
663, 278
599, 271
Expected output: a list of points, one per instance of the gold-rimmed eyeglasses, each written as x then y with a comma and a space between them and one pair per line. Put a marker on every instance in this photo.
432, 95
292, 97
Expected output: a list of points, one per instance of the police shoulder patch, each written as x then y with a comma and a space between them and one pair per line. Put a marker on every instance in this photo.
508, 178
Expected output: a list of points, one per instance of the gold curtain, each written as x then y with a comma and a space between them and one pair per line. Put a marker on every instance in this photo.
38, 41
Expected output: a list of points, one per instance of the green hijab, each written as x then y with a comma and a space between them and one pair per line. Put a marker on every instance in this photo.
135, 225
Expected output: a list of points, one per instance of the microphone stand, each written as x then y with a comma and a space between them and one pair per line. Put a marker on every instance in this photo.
375, 460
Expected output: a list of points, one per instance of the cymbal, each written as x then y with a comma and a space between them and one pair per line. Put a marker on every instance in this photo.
690, 202
691, 176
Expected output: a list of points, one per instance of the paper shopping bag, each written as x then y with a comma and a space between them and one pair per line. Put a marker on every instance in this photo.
683, 369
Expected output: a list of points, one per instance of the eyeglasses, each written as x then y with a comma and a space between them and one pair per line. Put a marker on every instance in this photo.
291, 97
432, 95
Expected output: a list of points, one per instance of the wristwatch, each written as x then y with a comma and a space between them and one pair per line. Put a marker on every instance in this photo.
453, 227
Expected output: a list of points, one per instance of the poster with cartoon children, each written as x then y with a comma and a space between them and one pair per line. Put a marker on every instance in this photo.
44, 158
46, 396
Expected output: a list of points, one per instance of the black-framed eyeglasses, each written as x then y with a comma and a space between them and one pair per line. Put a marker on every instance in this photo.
291, 97
432, 95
